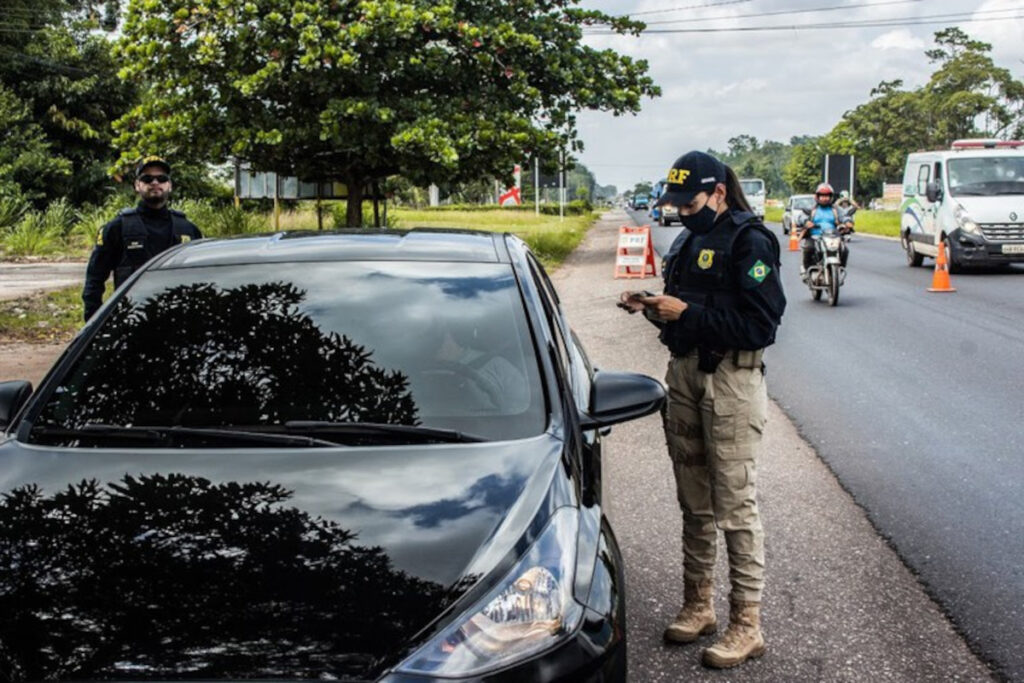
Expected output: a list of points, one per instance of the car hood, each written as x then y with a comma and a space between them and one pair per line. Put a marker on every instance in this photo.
305, 563
994, 209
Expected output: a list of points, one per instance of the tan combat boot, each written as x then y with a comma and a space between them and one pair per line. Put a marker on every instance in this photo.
742, 640
697, 616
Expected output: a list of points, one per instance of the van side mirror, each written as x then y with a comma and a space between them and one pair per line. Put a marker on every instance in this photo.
621, 396
933, 191
13, 395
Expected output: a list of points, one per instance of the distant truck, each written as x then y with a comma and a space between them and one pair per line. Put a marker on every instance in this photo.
753, 188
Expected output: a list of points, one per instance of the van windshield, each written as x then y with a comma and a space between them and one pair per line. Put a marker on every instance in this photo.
752, 186
986, 176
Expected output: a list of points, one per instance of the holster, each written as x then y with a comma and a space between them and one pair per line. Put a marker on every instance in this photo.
708, 359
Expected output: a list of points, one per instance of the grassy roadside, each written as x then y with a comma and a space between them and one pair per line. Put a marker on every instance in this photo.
56, 316
51, 317
885, 223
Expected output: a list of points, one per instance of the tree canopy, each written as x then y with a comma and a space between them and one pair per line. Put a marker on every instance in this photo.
361, 90
967, 96
58, 94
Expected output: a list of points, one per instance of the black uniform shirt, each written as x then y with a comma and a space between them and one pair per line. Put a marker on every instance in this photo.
760, 301
109, 250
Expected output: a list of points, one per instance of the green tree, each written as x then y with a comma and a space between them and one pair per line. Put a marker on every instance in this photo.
27, 165
967, 96
56, 63
438, 91
752, 159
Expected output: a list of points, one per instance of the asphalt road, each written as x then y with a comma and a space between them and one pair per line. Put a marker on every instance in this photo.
914, 401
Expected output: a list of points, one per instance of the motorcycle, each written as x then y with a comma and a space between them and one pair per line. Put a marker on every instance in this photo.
826, 274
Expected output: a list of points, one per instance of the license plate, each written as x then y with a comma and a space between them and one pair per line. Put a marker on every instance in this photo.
1013, 248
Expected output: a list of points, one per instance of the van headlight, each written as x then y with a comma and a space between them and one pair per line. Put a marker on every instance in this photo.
965, 222
531, 609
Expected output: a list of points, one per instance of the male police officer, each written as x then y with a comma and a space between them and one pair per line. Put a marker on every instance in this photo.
138, 234
722, 304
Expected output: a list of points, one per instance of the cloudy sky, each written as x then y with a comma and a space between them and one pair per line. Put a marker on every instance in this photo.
771, 84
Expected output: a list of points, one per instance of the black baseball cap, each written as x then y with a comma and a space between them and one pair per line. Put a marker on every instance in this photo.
152, 161
691, 174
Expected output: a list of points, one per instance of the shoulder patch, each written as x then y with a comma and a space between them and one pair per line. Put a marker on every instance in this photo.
759, 271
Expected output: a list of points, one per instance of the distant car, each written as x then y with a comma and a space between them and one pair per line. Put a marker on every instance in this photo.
360, 456
669, 215
797, 202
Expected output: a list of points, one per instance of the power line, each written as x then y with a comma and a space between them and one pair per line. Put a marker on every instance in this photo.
678, 9
870, 23
832, 8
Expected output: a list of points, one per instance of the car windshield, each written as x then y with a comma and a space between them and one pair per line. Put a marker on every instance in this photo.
752, 186
803, 202
306, 349
986, 176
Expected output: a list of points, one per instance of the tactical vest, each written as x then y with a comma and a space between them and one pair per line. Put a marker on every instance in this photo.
137, 249
711, 279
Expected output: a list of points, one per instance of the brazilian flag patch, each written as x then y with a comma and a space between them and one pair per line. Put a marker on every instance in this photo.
759, 271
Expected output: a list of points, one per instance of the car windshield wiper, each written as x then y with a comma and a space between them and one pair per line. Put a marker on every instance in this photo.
166, 433
411, 432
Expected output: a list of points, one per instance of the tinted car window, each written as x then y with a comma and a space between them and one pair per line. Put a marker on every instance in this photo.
409, 343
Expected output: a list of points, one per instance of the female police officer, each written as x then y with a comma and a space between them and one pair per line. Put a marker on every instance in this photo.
723, 301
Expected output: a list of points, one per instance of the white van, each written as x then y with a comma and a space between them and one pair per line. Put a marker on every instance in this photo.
753, 188
971, 197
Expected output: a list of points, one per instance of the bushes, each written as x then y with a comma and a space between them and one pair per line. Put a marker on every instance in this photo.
577, 207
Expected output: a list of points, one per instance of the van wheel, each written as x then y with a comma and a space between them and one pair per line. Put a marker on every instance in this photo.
953, 264
913, 258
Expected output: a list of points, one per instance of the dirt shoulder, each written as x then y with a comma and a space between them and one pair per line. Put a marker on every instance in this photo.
20, 360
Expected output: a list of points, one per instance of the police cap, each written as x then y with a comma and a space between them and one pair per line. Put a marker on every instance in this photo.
152, 161
691, 174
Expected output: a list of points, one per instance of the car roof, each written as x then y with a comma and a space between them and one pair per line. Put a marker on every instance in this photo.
417, 244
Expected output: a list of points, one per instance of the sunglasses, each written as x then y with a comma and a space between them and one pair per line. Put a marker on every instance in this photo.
146, 179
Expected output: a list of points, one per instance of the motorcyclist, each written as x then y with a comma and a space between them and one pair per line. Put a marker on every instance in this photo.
825, 216
846, 202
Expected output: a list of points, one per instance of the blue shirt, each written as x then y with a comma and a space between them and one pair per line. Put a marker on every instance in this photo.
823, 217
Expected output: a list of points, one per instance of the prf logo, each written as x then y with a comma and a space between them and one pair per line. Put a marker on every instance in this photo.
678, 175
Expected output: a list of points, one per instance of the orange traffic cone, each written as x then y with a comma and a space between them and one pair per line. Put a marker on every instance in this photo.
940, 280
794, 241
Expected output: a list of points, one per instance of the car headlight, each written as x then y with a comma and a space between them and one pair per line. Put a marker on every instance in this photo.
531, 609
964, 220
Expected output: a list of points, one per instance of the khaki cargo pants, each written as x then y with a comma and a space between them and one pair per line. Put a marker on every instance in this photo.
713, 424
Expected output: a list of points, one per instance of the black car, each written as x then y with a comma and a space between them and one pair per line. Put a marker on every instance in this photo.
367, 455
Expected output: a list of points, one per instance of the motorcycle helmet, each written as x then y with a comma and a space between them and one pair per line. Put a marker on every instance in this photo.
824, 192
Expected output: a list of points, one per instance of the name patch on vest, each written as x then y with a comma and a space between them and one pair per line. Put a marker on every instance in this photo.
705, 258
134, 245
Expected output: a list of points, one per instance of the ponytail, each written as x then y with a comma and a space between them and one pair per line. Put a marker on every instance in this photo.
734, 196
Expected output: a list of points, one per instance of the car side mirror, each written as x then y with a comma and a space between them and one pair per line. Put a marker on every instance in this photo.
933, 191
621, 396
13, 395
